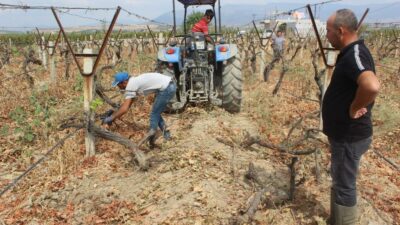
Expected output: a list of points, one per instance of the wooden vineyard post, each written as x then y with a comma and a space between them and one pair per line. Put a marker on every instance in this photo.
141, 50
52, 63
113, 44
44, 55
87, 98
39, 49
396, 54
90, 63
91, 41
302, 40
160, 41
262, 64
325, 84
10, 42
331, 59
140, 44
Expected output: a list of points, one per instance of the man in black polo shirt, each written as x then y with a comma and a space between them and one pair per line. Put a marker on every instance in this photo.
346, 112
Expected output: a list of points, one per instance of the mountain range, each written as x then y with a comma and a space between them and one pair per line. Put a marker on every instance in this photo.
237, 15
234, 15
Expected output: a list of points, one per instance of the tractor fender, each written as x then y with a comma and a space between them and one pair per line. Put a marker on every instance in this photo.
230, 51
174, 57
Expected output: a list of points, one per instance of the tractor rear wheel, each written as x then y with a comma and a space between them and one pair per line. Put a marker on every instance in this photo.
232, 85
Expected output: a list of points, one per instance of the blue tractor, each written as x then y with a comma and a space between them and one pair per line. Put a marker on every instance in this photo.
205, 72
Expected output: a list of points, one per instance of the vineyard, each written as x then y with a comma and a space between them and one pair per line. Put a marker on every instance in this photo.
267, 164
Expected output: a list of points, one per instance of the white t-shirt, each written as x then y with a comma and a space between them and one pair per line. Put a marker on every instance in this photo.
145, 84
278, 42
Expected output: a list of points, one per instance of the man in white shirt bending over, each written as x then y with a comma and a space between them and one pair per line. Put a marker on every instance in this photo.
163, 86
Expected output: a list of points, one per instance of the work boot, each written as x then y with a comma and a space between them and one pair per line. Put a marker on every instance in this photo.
344, 215
152, 138
167, 135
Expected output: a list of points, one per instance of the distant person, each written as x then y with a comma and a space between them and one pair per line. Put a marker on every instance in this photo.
164, 87
278, 46
202, 25
346, 112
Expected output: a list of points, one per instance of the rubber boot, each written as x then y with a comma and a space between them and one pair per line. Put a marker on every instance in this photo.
344, 215
331, 219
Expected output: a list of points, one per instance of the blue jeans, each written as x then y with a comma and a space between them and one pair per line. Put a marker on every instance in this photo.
345, 160
160, 103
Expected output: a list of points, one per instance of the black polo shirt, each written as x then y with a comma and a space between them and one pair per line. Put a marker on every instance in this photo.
351, 62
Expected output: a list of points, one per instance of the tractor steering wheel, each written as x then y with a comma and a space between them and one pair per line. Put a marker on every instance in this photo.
185, 36
209, 36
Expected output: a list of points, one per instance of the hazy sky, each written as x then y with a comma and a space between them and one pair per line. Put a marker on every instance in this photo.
147, 8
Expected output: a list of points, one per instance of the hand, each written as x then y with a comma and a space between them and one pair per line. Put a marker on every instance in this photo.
108, 120
355, 114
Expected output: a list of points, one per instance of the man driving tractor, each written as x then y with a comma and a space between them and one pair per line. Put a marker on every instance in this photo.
202, 25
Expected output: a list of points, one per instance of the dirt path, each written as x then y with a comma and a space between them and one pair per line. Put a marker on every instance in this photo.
194, 179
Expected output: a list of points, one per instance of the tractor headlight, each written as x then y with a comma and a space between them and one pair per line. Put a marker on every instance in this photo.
200, 45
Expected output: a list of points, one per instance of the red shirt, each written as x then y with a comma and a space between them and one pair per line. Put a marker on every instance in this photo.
201, 26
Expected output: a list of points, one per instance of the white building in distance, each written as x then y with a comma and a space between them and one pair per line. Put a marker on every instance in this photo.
303, 28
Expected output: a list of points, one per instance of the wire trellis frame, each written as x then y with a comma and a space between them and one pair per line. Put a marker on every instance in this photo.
98, 56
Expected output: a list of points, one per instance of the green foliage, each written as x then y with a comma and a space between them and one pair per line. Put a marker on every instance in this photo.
28, 135
29, 38
15, 52
18, 115
78, 86
23, 127
40, 107
383, 111
282, 27
192, 19
229, 30
4, 131
79, 99
31, 119
18, 38
96, 103
36, 105
123, 66
27, 153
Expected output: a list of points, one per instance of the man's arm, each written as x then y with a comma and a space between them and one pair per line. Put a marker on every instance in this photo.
123, 109
206, 35
368, 88
209, 39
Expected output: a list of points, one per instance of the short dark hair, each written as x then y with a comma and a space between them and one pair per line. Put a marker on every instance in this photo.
346, 18
209, 13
